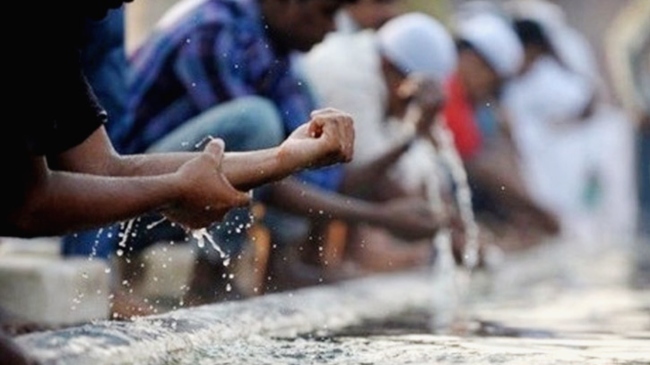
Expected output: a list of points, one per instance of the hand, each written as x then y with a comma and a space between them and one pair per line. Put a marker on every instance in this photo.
427, 95
328, 138
411, 219
206, 195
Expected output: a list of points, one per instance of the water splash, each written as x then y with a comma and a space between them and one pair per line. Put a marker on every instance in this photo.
202, 235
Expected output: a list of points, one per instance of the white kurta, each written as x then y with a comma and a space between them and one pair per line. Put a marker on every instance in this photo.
562, 154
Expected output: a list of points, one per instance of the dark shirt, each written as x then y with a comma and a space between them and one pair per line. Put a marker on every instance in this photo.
62, 108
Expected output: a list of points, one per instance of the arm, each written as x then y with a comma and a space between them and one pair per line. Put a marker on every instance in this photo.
357, 178
495, 173
56, 202
326, 139
409, 218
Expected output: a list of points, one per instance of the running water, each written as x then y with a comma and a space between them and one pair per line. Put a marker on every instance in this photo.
202, 235
449, 283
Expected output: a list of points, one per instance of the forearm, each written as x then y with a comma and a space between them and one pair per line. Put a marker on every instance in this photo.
303, 199
247, 170
363, 174
500, 181
67, 202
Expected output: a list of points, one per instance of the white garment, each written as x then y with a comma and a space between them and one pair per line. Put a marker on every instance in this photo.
561, 154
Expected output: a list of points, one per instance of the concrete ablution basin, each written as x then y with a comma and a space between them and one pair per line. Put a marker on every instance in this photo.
552, 305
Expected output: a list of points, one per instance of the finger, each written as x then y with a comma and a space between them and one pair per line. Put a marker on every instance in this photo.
235, 198
216, 147
242, 199
316, 126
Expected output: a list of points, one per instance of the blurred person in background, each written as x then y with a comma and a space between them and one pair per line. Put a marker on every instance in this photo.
377, 75
575, 147
489, 54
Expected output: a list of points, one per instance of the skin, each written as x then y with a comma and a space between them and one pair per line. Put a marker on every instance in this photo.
493, 169
299, 24
481, 82
372, 14
60, 189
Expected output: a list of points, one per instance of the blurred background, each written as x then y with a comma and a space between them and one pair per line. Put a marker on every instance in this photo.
591, 17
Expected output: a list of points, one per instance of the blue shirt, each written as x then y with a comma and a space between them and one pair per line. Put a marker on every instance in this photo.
213, 53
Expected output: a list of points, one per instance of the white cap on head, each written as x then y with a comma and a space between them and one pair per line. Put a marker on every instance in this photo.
418, 43
573, 49
494, 39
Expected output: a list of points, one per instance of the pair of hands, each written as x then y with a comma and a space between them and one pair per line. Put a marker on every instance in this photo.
427, 96
206, 195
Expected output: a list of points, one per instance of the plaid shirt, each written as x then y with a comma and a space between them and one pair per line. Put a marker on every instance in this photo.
212, 53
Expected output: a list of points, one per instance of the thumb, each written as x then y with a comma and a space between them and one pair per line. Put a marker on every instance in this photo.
216, 147
316, 128
243, 199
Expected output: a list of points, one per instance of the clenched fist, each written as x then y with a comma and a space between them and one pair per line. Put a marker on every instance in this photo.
326, 139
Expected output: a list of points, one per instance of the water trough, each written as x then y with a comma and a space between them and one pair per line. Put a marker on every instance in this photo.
162, 338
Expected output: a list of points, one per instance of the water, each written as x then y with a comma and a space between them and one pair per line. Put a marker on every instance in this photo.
202, 235
552, 314
450, 283
555, 304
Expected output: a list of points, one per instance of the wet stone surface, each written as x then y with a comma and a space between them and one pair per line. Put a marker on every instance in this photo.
553, 307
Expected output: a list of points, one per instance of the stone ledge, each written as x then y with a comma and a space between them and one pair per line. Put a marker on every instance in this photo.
54, 291
161, 339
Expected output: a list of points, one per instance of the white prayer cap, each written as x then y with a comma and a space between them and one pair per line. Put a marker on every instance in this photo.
569, 45
418, 43
495, 40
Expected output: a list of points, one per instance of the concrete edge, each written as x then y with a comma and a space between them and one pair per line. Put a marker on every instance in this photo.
160, 339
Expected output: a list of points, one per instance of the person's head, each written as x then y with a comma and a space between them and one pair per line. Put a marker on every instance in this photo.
489, 53
534, 39
300, 24
372, 14
414, 44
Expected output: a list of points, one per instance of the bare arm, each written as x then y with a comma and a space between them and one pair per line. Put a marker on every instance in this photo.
358, 178
409, 218
51, 202
326, 139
